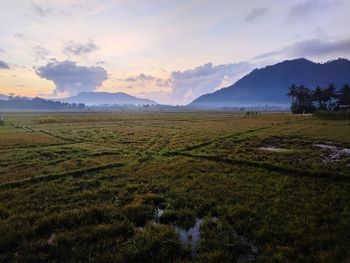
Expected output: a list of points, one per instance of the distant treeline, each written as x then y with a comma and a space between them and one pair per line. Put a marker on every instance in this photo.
305, 100
20, 103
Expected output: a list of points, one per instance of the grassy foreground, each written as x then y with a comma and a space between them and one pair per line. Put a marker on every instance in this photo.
120, 187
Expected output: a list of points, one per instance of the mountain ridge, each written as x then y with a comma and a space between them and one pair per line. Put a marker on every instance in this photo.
269, 85
103, 98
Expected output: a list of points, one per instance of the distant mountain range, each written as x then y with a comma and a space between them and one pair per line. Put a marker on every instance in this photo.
3, 97
270, 85
99, 98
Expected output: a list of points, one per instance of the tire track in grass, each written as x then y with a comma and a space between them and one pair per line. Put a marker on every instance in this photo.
236, 134
12, 148
266, 166
43, 178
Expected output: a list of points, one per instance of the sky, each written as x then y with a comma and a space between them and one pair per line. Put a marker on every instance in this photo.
170, 51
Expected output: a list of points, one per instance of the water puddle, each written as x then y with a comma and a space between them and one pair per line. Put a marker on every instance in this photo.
157, 214
52, 240
272, 149
190, 237
334, 153
253, 251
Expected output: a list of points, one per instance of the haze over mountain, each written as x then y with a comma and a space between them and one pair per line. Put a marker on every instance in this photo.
100, 98
270, 85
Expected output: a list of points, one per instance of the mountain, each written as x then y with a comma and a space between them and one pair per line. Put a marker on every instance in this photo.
270, 85
3, 97
99, 98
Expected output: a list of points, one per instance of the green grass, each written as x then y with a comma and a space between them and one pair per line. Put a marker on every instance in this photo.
332, 115
85, 187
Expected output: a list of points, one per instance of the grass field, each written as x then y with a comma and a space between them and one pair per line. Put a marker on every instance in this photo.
126, 187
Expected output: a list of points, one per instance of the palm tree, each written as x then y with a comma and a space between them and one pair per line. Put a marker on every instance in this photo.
330, 94
303, 99
292, 92
318, 96
344, 95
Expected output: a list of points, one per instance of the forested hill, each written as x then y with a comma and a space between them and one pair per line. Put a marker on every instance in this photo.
270, 85
18, 103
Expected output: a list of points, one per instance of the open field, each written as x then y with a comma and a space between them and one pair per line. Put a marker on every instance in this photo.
125, 187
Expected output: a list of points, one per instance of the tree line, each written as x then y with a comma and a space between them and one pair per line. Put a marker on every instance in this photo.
305, 100
19, 103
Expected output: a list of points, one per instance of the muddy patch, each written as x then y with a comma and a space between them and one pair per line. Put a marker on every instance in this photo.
332, 153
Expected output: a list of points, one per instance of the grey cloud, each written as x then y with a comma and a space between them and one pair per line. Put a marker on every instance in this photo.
2, 50
312, 48
40, 53
141, 77
316, 47
143, 80
79, 49
268, 54
4, 65
306, 8
19, 35
71, 78
256, 13
41, 11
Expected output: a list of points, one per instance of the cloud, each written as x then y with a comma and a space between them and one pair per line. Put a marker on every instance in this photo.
312, 48
19, 35
144, 80
4, 65
40, 53
268, 54
189, 84
316, 47
308, 8
256, 13
41, 11
72, 79
2, 50
184, 86
78, 49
